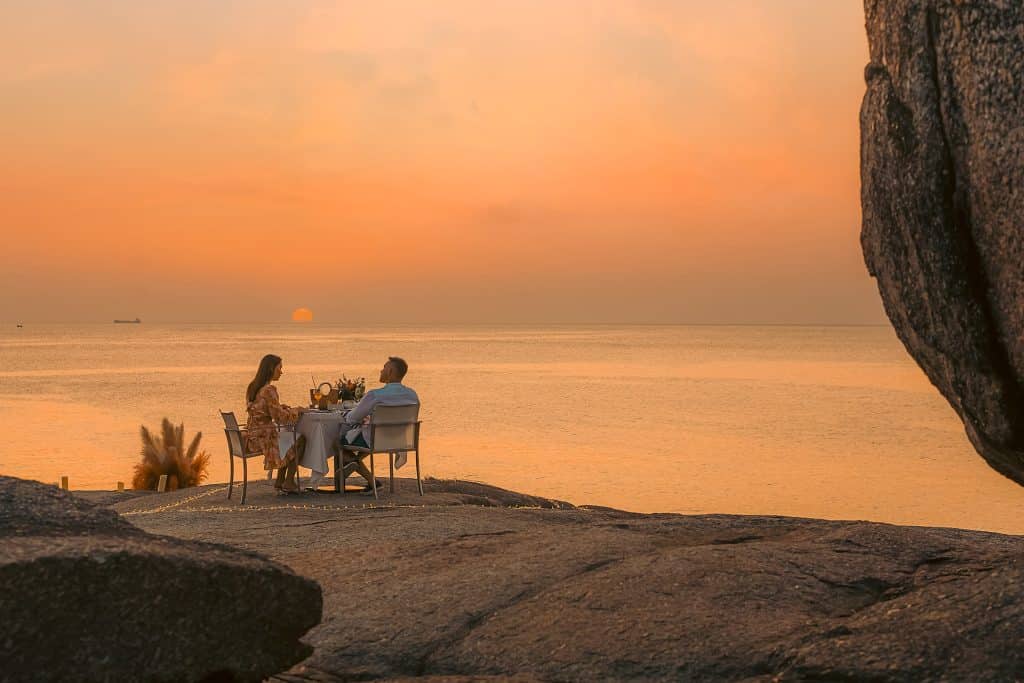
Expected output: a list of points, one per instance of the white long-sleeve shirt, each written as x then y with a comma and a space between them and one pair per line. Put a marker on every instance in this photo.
391, 394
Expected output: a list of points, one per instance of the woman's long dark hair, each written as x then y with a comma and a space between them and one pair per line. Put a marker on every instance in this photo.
263, 375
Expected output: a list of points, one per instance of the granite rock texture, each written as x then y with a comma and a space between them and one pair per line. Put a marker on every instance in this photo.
87, 596
942, 192
486, 590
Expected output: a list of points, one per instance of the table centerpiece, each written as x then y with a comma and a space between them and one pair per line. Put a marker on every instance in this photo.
351, 389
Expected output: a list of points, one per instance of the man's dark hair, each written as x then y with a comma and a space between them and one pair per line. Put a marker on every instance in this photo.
400, 366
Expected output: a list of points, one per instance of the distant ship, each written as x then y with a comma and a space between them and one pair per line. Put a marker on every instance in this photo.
20, 325
128, 321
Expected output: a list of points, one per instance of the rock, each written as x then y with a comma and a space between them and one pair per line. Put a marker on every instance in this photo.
457, 593
942, 171
86, 596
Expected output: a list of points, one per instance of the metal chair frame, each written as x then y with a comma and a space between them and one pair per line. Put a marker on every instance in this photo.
231, 427
339, 476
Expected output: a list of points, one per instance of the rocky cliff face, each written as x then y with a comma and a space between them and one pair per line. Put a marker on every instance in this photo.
942, 170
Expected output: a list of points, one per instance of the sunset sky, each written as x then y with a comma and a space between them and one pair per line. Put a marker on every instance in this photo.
448, 161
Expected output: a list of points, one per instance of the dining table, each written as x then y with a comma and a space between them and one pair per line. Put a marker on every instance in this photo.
321, 429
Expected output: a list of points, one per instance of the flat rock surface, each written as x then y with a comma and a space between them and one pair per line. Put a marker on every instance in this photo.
475, 583
86, 595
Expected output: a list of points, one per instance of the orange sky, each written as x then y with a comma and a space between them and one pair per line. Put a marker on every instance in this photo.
514, 160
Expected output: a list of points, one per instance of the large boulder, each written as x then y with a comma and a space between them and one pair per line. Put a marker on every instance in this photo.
87, 596
942, 171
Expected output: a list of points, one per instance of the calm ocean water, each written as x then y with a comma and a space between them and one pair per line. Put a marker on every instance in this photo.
827, 422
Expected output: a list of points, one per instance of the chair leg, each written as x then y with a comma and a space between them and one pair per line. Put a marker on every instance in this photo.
339, 481
391, 472
419, 483
231, 483
245, 478
373, 476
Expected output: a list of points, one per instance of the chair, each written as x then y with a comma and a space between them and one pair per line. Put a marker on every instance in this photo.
236, 449
393, 429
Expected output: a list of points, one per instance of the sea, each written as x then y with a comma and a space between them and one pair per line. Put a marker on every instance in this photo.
828, 422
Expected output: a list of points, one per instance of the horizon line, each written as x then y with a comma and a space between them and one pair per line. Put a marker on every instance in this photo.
462, 323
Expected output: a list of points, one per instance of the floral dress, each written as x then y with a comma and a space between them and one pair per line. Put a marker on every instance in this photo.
265, 413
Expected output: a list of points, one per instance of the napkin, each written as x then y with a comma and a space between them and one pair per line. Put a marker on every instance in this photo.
285, 440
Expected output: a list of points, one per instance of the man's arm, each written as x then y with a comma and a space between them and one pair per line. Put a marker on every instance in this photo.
364, 408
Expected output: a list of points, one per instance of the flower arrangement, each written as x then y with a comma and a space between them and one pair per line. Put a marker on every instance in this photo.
351, 389
166, 453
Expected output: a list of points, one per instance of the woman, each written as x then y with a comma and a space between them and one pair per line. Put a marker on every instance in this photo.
266, 412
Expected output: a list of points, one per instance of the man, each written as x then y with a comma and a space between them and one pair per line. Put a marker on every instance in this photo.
355, 433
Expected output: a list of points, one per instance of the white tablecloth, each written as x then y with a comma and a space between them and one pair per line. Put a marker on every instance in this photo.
321, 430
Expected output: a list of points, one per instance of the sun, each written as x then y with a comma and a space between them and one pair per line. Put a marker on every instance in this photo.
302, 315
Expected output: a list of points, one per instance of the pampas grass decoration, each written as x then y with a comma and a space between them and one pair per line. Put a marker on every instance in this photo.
165, 453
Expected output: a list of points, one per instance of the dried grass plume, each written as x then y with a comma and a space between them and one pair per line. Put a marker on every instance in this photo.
165, 453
